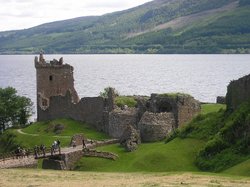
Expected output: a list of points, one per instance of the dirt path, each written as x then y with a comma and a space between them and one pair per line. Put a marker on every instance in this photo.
24, 133
31, 177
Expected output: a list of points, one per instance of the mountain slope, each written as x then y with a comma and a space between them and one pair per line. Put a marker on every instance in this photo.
160, 26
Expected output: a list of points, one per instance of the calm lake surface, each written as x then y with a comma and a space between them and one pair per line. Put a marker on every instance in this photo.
203, 76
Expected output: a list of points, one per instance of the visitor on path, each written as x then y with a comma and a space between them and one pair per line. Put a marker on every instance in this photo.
74, 143
36, 151
58, 143
83, 144
43, 149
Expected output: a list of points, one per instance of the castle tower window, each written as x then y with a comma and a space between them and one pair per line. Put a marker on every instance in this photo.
44, 102
50, 77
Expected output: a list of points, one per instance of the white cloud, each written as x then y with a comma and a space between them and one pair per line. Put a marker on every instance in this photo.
20, 14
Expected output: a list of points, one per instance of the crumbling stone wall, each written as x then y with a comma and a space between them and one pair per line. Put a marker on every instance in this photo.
184, 107
187, 108
130, 138
89, 110
156, 126
119, 119
238, 91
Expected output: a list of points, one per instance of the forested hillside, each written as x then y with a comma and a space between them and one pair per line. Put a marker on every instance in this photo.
160, 26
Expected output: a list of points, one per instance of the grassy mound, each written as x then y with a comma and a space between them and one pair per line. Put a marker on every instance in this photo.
240, 169
227, 135
178, 155
45, 133
209, 108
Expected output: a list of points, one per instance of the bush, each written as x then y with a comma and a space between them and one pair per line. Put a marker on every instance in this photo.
221, 161
104, 93
7, 142
213, 147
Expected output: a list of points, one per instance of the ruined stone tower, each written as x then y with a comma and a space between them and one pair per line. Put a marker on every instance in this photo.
53, 79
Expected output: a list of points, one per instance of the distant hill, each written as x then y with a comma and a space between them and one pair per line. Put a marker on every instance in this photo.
160, 26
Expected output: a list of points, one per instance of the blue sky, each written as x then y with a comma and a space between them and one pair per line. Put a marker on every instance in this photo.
21, 14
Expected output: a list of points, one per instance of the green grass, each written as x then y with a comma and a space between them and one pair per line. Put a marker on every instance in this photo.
71, 127
177, 155
46, 134
242, 169
174, 95
208, 108
125, 100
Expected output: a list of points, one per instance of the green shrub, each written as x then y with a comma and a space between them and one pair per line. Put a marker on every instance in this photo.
104, 93
8, 142
213, 147
221, 161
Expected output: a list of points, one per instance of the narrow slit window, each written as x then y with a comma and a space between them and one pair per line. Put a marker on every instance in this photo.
50, 77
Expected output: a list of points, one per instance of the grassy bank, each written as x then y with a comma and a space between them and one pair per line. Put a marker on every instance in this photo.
46, 132
177, 155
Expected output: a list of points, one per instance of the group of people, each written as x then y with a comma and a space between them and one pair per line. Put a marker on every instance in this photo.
21, 152
38, 150
41, 150
56, 147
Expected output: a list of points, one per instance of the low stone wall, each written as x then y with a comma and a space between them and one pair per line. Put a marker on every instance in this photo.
100, 154
27, 162
101, 143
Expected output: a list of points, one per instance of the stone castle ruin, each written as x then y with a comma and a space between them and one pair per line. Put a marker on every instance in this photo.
153, 117
53, 79
238, 91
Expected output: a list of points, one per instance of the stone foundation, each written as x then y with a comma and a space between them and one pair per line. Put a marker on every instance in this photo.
62, 162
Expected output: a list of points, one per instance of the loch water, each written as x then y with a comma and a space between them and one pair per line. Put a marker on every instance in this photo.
202, 76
